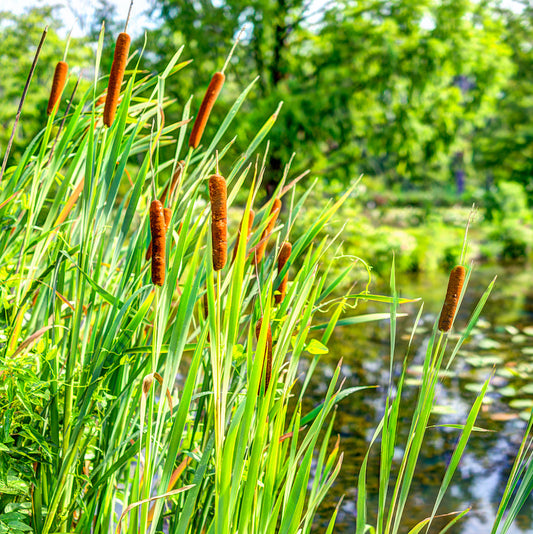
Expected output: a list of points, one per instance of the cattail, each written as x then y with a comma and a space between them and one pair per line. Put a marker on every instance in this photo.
101, 99
116, 76
158, 231
268, 351
283, 257
251, 217
213, 90
219, 220
58, 84
167, 212
274, 212
455, 286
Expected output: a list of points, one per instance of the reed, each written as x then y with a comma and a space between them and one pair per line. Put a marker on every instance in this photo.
219, 220
455, 286
158, 231
267, 357
58, 84
210, 97
283, 257
274, 213
122, 48
251, 217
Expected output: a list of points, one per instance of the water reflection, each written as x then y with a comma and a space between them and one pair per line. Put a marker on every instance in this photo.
504, 337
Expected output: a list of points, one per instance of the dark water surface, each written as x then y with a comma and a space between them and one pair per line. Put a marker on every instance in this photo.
503, 338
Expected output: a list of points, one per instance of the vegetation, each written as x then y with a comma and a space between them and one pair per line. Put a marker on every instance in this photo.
142, 396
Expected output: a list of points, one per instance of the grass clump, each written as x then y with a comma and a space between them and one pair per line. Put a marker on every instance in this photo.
217, 442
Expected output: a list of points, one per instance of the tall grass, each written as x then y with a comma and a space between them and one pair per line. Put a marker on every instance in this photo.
128, 407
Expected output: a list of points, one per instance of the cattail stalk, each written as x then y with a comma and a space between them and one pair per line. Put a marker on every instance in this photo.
213, 90
283, 257
219, 220
21, 103
455, 286
274, 212
268, 351
58, 84
158, 231
116, 76
251, 217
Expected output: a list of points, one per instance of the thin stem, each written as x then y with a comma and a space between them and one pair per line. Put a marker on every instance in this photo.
67, 45
232, 49
24, 93
470, 218
128, 17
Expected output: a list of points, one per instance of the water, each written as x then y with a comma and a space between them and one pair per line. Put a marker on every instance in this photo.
504, 338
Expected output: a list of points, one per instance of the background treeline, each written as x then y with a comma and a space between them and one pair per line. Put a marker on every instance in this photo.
430, 99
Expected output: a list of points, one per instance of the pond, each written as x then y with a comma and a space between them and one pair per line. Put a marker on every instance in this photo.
503, 339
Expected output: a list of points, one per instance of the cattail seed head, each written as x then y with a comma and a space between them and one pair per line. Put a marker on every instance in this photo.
116, 76
268, 350
158, 231
58, 84
213, 90
274, 212
219, 220
251, 217
455, 286
283, 257
167, 213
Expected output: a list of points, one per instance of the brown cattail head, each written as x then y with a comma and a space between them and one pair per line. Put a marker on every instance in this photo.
167, 212
219, 220
251, 217
101, 99
455, 286
116, 76
213, 90
58, 84
268, 351
169, 189
274, 212
158, 231
283, 257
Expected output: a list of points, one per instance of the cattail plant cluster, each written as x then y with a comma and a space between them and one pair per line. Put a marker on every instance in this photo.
219, 220
455, 286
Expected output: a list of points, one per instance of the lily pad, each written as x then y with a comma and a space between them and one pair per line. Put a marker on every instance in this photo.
488, 344
507, 391
484, 361
528, 330
520, 404
441, 409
